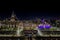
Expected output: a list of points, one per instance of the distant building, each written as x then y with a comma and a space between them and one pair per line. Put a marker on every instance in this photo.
13, 23
13, 26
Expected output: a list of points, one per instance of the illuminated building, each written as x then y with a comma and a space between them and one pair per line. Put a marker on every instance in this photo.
15, 27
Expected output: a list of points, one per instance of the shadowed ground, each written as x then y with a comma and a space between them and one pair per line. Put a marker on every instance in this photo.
31, 38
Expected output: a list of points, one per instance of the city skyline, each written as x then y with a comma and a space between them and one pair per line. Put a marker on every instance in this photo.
16, 23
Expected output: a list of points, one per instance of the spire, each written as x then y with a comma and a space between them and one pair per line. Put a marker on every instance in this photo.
13, 15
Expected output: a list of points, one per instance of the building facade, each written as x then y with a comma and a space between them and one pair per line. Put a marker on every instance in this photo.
15, 27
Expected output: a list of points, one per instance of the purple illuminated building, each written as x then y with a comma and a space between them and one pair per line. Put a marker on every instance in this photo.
44, 26
41, 26
47, 26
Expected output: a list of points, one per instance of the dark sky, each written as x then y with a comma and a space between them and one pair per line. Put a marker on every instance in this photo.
30, 9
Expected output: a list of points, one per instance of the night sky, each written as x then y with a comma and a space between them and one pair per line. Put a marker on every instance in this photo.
30, 10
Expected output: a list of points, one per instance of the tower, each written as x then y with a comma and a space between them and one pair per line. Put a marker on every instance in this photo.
13, 17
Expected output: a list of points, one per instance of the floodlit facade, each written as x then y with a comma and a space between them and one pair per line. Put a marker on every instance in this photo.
15, 27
